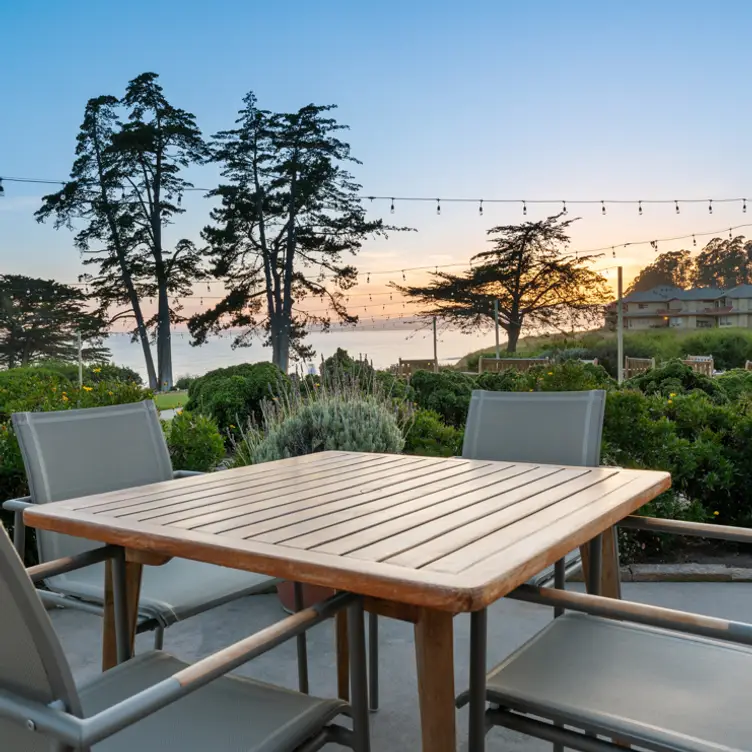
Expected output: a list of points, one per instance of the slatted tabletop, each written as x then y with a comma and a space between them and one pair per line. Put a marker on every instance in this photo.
448, 534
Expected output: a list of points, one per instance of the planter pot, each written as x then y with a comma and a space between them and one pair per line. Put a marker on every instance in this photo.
311, 594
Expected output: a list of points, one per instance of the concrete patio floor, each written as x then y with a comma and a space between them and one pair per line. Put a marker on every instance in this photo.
396, 726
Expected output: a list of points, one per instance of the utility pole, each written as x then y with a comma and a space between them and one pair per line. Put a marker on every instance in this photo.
80, 359
496, 320
435, 348
619, 327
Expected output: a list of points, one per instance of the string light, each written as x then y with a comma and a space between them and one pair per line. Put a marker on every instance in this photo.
678, 211
391, 208
438, 206
2, 190
480, 208
639, 208
603, 207
730, 238
694, 241
564, 207
524, 208
744, 205
613, 252
710, 206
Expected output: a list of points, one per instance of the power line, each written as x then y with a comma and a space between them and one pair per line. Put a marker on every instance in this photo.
523, 203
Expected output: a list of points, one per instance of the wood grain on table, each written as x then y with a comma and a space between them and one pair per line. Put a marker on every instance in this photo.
449, 534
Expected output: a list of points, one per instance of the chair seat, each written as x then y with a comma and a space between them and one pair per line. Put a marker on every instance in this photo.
172, 592
231, 714
657, 689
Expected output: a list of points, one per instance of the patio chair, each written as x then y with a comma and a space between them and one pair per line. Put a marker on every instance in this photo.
559, 428
82, 452
155, 701
645, 676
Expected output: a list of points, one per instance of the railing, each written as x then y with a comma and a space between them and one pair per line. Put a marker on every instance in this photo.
407, 368
636, 366
496, 365
700, 364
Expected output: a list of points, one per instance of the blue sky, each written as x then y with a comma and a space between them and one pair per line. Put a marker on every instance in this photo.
546, 99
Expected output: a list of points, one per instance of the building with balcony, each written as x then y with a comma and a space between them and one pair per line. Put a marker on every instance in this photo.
698, 308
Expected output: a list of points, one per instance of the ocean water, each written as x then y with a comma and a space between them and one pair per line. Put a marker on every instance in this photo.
382, 347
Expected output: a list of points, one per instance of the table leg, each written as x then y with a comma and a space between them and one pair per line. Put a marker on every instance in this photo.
132, 591
343, 656
434, 653
610, 576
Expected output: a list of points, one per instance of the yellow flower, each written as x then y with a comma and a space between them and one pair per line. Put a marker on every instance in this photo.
110, 393
670, 402
231, 425
531, 390
54, 388
96, 370
87, 388
550, 373
673, 394
715, 514
65, 398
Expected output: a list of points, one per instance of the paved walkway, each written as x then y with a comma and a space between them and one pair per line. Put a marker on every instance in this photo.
395, 727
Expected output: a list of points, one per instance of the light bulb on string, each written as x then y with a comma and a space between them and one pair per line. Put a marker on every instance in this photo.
678, 211
603, 207
730, 233
480, 208
368, 278
563, 207
613, 252
438, 206
710, 206
524, 208
654, 245
391, 208
744, 205
2, 190
639, 208
403, 276
694, 241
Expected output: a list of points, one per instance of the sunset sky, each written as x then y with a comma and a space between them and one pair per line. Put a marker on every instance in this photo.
535, 100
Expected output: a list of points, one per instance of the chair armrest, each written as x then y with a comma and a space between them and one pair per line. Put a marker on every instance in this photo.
639, 613
17, 505
681, 527
86, 732
70, 563
185, 473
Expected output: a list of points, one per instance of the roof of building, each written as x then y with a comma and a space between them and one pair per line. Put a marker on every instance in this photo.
698, 293
742, 291
656, 295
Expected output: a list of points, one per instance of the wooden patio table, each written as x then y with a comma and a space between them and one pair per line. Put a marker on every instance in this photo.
422, 538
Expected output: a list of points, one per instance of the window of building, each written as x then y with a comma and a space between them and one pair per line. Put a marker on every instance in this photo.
725, 321
642, 306
677, 321
704, 324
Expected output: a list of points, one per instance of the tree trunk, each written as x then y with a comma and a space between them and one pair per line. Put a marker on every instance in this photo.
164, 343
513, 335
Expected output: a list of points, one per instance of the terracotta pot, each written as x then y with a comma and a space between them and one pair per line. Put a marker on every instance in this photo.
311, 594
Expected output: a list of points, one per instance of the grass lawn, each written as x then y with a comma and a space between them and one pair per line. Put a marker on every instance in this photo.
170, 400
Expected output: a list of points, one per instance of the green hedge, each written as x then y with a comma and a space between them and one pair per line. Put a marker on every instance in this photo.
232, 396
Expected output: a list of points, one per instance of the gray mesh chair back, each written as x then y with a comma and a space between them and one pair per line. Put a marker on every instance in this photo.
559, 428
75, 453
32, 664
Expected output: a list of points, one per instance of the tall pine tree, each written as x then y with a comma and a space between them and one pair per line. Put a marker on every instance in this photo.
288, 213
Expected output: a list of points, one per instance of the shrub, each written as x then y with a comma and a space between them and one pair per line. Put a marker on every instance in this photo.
735, 383
730, 349
194, 441
446, 393
235, 394
428, 436
92, 373
337, 416
569, 376
184, 382
675, 378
